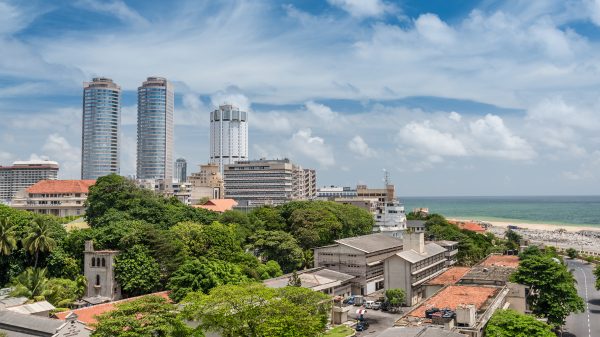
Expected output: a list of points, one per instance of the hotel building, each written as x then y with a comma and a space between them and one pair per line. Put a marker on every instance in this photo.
228, 136
23, 174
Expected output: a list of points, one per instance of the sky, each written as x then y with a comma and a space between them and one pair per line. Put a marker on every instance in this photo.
461, 97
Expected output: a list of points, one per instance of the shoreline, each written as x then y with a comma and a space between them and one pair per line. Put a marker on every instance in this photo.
533, 226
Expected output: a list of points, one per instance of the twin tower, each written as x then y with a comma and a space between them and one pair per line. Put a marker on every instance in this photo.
101, 134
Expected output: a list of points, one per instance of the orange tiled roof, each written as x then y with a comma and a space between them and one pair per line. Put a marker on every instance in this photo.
510, 261
88, 315
453, 295
450, 276
218, 205
61, 186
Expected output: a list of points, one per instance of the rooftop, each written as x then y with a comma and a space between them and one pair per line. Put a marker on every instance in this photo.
12, 301
372, 242
423, 331
450, 276
218, 205
61, 186
468, 225
445, 243
315, 278
32, 308
415, 223
454, 295
509, 261
412, 256
32, 323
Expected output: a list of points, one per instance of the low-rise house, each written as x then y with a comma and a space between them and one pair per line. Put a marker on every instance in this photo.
56, 197
414, 266
218, 205
41, 308
321, 279
15, 324
360, 256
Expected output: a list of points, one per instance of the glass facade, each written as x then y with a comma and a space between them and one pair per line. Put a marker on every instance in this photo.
155, 129
100, 128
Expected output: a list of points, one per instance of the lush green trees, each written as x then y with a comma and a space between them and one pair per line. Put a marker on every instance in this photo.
32, 283
40, 239
202, 275
253, 310
513, 239
597, 274
7, 236
147, 316
136, 271
552, 288
62, 292
61, 265
395, 297
278, 246
572, 253
509, 323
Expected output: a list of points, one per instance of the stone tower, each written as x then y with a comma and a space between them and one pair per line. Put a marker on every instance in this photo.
99, 271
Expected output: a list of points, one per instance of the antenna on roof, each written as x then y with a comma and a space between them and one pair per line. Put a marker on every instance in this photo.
386, 177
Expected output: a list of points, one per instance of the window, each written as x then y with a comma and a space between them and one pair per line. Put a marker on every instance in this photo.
98, 261
93, 262
103, 262
97, 280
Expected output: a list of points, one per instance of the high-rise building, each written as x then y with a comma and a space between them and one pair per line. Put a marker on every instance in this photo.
23, 174
208, 183
155, 129
100, 128
228, 136
181, 170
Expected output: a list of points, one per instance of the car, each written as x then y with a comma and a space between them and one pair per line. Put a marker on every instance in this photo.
376, 305
369, 304
350, 301
361, 326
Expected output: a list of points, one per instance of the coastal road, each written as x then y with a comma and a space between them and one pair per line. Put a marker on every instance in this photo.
586, 324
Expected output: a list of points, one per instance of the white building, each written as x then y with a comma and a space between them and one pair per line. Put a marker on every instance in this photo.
228, 136
56, 197
390, 218
23, 174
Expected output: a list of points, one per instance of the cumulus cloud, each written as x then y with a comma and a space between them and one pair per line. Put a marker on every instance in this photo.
424, 137
321, 111
313, 147
492, 138
57, 148
362, 8
361, 148
231, 95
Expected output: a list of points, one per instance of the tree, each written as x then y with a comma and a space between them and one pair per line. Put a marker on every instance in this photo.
61, 265
7, 237
82, 283
513, 238
294, 280
136, 271
202, 275
146, 316
552, 288
32, 283
279, 246
572, 253
509, 323
268, 270
254, 310
61, 292
39, 239
395, 297
214, 241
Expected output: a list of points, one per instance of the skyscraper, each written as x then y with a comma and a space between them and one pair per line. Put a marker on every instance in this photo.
155, 129
100, 128
181, 170
228, 135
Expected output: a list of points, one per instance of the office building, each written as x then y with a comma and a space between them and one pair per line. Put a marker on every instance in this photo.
305, 183
228, 136
56, 197
180, 170
206, 184
155, 129
100, 128
22, 174
336, 192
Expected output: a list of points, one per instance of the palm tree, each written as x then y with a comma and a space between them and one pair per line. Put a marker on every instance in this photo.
39, 239
81, 285
7, 237
31, 283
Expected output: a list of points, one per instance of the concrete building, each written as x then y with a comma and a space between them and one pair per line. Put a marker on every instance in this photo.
40, 308
321, 279
100, 128
423, 331
14, 324
208, 183
414, 266
56, 197
22, 174
360, 256
416, 226
180, 170
98, 268
267, 182
332, 193
156, 100
451, 251
228, 136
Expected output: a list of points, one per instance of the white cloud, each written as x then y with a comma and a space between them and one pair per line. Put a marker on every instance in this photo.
270, 122
321, 111
361, 148
362, 8
59, 149
231, 95
116, 8
455, 116
313, 147
493, 138
433, 29
430, 141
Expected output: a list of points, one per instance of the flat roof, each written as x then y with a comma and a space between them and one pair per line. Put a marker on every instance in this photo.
318, 278
509, 261
423, 331
30, 322
450, 276
372, 242
415, 223
431, 249
454, 295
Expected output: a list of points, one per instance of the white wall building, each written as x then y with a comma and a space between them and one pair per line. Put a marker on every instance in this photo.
228, 136
23, 174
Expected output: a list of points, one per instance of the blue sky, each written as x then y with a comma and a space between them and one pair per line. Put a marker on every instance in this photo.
451, 97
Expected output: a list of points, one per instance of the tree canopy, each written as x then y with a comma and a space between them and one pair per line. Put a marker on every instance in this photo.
136, 271
509, 323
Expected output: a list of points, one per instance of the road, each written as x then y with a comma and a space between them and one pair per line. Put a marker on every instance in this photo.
378, 321
586, 324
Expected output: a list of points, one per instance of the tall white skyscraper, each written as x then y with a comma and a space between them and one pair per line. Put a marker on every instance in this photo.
228, 135
156, 100
100, 128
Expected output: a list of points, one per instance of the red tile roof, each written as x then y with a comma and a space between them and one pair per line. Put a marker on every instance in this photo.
452, 296
468, 225
218, 205
88, 315
61, 186
450, 276
510, 261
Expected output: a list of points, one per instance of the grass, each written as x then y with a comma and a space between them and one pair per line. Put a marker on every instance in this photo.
339, 331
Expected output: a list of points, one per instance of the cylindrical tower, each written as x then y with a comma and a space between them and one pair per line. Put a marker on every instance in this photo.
228, 135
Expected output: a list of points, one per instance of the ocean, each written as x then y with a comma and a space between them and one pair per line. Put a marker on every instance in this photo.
560, 210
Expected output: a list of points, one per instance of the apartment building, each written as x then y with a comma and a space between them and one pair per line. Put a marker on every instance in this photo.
360, 256
451, 253
55, 197
207, 183
22, 174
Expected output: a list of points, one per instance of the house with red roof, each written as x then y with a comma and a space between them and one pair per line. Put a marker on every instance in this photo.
218, 205
55, 197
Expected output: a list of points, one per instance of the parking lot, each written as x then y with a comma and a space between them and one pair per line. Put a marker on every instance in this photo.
378, 320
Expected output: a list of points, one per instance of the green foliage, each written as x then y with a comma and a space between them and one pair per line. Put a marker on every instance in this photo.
61, 265
214, 241
552, 288
203, 275
268, 270
61, 292
40, 238
32, 283
137, 271
572, 253
278, 246
395, 297
294, 280
597, 274
7, 236
254, 310
509, 323
513, 239
147, 316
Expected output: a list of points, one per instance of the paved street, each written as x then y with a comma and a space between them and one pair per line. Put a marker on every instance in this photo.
378, 321
586, 324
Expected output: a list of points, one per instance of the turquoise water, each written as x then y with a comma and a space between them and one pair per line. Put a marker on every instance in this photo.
564, 210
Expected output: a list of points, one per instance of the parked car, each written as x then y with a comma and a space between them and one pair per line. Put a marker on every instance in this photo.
348, 299
369, 304
376, 305
359, 300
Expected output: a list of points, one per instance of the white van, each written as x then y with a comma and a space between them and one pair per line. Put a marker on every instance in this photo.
369, 304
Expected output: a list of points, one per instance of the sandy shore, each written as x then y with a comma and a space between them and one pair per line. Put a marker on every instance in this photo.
536, 226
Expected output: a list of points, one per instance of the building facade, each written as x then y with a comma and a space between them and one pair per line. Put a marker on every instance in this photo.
228, 136
99, 271
100, 128
56, 197
156, 100
181, 170
336, 192
23, 174
206, 184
